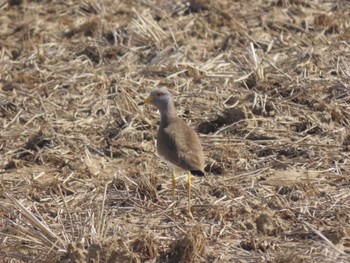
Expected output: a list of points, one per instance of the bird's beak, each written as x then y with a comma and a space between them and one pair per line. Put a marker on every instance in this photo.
148, 100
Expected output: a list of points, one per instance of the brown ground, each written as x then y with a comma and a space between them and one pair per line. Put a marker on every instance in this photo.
266, 83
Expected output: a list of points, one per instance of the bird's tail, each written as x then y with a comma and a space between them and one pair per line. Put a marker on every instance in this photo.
197, 172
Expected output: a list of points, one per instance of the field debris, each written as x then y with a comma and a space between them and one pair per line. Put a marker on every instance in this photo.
266, 85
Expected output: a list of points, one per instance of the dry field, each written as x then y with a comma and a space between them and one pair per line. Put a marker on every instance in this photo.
266, 85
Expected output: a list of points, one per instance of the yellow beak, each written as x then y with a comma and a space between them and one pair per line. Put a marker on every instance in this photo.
148, 100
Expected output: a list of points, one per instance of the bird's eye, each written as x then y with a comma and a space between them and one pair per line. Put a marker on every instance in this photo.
159, 94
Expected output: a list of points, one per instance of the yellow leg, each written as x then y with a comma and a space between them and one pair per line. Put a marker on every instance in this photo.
189, 192
174, 185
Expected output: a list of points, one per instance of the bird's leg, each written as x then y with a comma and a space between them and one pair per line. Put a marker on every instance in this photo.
174, 185
189, 191
173, 191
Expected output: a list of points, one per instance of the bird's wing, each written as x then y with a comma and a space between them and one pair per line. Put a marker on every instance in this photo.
187, 150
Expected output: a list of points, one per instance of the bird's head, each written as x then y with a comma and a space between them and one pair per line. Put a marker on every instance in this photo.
159, 97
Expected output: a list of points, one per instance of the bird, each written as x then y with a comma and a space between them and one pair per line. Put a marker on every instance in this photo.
177, 143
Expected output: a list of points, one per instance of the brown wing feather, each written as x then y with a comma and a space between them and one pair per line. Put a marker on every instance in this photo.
180, 145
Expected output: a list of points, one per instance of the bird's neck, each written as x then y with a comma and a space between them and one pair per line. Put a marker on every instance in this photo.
167, 112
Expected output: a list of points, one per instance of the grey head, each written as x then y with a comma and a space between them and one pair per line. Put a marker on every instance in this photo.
162, 99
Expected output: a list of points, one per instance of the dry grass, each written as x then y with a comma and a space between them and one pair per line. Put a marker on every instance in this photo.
265, 82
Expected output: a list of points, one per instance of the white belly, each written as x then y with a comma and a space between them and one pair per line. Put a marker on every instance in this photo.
173, 167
